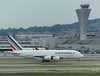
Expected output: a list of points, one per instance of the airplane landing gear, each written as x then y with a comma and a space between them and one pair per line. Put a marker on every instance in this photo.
78, 60
45, 60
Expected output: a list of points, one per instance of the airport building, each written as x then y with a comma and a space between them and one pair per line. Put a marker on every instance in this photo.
92, 44
33, 41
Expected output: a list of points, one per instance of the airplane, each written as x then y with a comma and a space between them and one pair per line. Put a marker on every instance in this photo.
45, 55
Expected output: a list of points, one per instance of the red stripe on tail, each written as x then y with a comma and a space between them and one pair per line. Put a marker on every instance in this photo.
12, 46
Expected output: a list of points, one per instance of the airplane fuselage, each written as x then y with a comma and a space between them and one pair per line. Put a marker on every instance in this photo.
62, 54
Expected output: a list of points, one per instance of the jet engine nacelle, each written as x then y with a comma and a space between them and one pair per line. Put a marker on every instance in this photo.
47, 58
56, 58
51, 58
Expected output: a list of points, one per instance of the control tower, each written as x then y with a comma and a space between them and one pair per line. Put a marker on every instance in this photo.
83, 15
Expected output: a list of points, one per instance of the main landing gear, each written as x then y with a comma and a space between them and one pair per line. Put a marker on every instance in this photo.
45, 60
78, 60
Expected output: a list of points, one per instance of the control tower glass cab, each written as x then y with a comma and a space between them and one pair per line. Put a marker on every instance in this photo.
83, 15
85, 6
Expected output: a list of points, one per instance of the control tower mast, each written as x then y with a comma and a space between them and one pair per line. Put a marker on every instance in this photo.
83, 15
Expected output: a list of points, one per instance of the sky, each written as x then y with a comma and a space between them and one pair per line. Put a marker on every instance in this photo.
26, 13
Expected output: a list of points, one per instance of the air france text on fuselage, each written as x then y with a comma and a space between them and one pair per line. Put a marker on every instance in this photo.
63, 53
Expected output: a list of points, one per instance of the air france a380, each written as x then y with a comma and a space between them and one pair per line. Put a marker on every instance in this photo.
45, 55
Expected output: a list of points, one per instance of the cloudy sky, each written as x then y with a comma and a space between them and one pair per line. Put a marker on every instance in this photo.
25, 13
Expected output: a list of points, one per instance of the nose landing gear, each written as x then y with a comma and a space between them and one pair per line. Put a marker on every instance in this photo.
78, 60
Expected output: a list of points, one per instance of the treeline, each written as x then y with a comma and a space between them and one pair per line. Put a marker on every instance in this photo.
54, 28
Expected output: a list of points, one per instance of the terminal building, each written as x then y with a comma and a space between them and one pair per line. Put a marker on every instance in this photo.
92, 44
33, 41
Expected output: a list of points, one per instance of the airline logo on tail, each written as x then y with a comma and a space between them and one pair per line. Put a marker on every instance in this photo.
14, 44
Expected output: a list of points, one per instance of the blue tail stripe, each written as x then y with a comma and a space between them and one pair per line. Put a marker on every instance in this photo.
15, 43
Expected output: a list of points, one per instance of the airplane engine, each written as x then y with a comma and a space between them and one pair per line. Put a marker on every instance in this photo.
47, 58
56, 58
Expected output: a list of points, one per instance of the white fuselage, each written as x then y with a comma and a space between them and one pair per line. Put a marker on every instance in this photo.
64, 54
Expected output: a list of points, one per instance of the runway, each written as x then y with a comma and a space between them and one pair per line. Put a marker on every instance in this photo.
12, 64
56, 64
49, 69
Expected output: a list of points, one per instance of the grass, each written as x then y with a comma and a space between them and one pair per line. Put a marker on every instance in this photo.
32, 61
50, 74
45, 67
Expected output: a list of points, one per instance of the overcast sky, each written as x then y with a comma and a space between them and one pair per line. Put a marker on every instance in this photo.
26, 13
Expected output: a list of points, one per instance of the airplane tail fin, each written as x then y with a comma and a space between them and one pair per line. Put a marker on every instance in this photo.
14, 44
